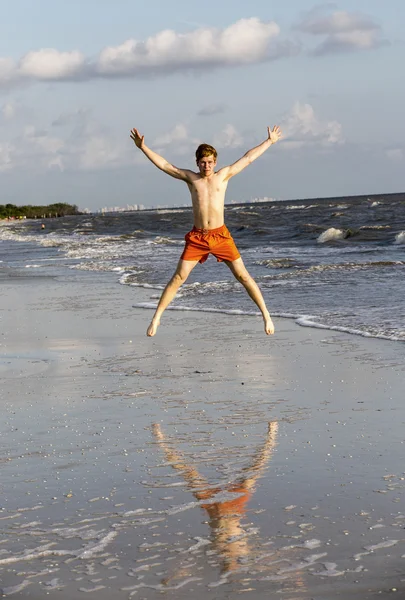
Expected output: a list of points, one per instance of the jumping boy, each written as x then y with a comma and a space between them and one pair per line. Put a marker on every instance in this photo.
209, 234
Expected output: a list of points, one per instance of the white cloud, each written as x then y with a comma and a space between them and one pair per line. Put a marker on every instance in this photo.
302, 127
177, 134
99, 152
229, 137
83, 145
89, 145
76, 141
343, 31
8, 110
36, 147
7, 70
180, 140
77, 118
337, 22
212, 109
5, 157
50, 64
395, 154
247, 41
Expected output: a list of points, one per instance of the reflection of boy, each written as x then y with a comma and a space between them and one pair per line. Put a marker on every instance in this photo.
225, 516
209, 234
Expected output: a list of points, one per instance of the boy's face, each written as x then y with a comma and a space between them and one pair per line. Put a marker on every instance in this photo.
207, 164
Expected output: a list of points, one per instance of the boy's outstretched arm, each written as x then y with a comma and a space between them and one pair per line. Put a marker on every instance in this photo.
160, 162
273, 136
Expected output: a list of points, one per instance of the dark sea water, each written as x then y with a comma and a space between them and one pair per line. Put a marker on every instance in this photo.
337, 263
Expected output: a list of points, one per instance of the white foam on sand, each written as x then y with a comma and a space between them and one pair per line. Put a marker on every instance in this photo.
303, 320
89, 551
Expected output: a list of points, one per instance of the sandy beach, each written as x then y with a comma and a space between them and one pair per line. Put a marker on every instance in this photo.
208, 462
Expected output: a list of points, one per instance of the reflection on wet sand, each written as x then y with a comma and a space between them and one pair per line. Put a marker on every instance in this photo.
230, 539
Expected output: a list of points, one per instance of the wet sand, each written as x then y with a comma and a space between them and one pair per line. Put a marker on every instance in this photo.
208, 462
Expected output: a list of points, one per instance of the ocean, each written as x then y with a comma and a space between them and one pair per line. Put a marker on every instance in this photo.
334, 263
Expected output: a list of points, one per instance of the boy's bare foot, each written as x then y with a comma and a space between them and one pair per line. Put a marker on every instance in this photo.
268, 325
152, 329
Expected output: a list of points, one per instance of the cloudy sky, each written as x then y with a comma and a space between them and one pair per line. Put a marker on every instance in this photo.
76, 76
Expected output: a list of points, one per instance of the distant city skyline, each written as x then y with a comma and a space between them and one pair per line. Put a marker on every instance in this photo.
135, 207
76, 77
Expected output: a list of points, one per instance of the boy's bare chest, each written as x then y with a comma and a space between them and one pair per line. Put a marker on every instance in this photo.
209, 189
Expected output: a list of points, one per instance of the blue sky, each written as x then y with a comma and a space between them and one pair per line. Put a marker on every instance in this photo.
76, 76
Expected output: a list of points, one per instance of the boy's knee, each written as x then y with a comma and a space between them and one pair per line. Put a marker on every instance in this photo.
243, 277
179, 278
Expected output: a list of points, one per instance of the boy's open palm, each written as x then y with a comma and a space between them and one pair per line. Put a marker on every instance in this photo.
137, 138
274, 134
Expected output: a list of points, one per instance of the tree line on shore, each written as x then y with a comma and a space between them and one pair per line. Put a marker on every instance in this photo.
60, 209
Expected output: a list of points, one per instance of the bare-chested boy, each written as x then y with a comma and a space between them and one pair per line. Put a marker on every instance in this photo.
209, 234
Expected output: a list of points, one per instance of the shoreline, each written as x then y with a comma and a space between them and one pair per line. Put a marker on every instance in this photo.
330, 271
301, 320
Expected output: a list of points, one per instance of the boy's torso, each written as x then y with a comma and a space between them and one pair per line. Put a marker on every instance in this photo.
208, 199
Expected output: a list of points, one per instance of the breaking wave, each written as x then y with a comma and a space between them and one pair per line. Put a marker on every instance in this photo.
330, 235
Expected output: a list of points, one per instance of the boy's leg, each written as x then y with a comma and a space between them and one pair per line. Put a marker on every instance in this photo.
183, 270
240, 272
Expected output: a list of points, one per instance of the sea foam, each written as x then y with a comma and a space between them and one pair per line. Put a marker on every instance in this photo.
303, 320
400, 238
330, 235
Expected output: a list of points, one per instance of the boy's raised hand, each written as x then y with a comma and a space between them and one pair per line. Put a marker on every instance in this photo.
274, 134
137, 138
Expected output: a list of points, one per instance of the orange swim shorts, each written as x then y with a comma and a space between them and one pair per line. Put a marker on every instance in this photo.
228, 507
200, 243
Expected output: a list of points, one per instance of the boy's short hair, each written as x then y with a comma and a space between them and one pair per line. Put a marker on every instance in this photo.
205, 150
